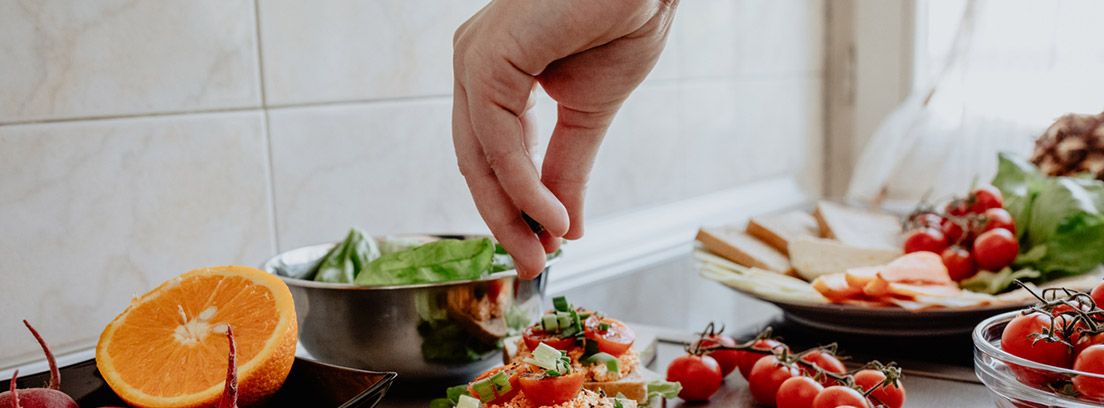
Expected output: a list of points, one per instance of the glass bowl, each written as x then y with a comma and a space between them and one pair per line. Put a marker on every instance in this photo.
1017, 382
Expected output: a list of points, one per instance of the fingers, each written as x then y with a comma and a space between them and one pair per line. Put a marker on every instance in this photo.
494, 205
495, 113
570, 157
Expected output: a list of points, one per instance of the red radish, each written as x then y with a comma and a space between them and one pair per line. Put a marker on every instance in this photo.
49, 397
230, 393
14, 392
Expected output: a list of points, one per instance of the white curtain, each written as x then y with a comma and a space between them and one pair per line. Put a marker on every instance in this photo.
1013, 68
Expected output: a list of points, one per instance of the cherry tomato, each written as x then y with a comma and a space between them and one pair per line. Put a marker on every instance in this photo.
986, 197
998, 218
727, 359
534, 337
1083, 342
1091, 360
995, 249
891, 395
1020, 338
797, 392
952, 231
1062, 308
746, 359
700, 376
960, 264
925, 239
837, 396
767, 377
1098, 295
615, 339
957, 208
922, 220
499, 398
545, 390
826, 362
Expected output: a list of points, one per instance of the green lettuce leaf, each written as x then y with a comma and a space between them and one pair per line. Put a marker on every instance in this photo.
997, 282
438, 261
347, 259
665, 389
1059, 220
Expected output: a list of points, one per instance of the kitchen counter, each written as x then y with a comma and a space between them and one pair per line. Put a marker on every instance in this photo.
927, 388
672, 302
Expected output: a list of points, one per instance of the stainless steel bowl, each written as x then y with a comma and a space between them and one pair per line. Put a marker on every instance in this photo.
437, 333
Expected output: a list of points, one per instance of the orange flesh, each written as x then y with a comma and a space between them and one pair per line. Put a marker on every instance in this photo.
169, 347
191, 362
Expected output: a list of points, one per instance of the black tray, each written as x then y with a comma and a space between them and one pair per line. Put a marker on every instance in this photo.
310, 384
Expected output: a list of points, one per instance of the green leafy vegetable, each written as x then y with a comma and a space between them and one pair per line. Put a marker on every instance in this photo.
454, 393
448, 342
665, 389
996, 282
1059, 220
346, 260
438, 261
392, 244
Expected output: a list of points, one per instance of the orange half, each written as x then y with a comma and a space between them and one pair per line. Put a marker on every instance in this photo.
169, 348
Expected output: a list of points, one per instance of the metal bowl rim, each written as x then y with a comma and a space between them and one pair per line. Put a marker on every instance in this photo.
268, 267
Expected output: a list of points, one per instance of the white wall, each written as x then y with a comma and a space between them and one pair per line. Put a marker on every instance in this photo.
140, 140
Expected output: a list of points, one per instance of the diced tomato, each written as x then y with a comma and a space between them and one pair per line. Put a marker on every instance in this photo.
534, 337
544, 390
614, 340
500, 398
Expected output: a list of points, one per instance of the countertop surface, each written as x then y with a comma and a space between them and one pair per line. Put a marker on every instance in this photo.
934, 386
672, 302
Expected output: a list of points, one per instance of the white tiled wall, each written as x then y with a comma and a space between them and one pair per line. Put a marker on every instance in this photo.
139, 140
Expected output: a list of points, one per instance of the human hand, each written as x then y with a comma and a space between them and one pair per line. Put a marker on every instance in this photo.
588, 56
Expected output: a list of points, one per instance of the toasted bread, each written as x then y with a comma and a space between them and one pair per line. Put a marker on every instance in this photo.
858, 227
634, 386
741, 248
813, 257
779, 230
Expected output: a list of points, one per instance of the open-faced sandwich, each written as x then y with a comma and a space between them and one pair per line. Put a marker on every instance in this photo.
572, 357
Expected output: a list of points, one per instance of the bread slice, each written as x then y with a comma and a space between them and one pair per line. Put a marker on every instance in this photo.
813, 257
737, 246
858, 227
633, 386
778, 230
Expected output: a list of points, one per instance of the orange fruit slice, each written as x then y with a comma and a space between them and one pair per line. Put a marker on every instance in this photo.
168, 348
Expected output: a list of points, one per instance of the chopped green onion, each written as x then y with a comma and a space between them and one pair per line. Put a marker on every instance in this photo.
485, 389
603, 326
584, 316
590, 348
455, 392
663, 389
613, 364
550, 323
468, 402
501, 381
545, 357
617, 403
560, 303
545, 352
563, 320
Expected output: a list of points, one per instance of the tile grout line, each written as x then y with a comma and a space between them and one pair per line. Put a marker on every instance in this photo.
270, 169
263, 106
